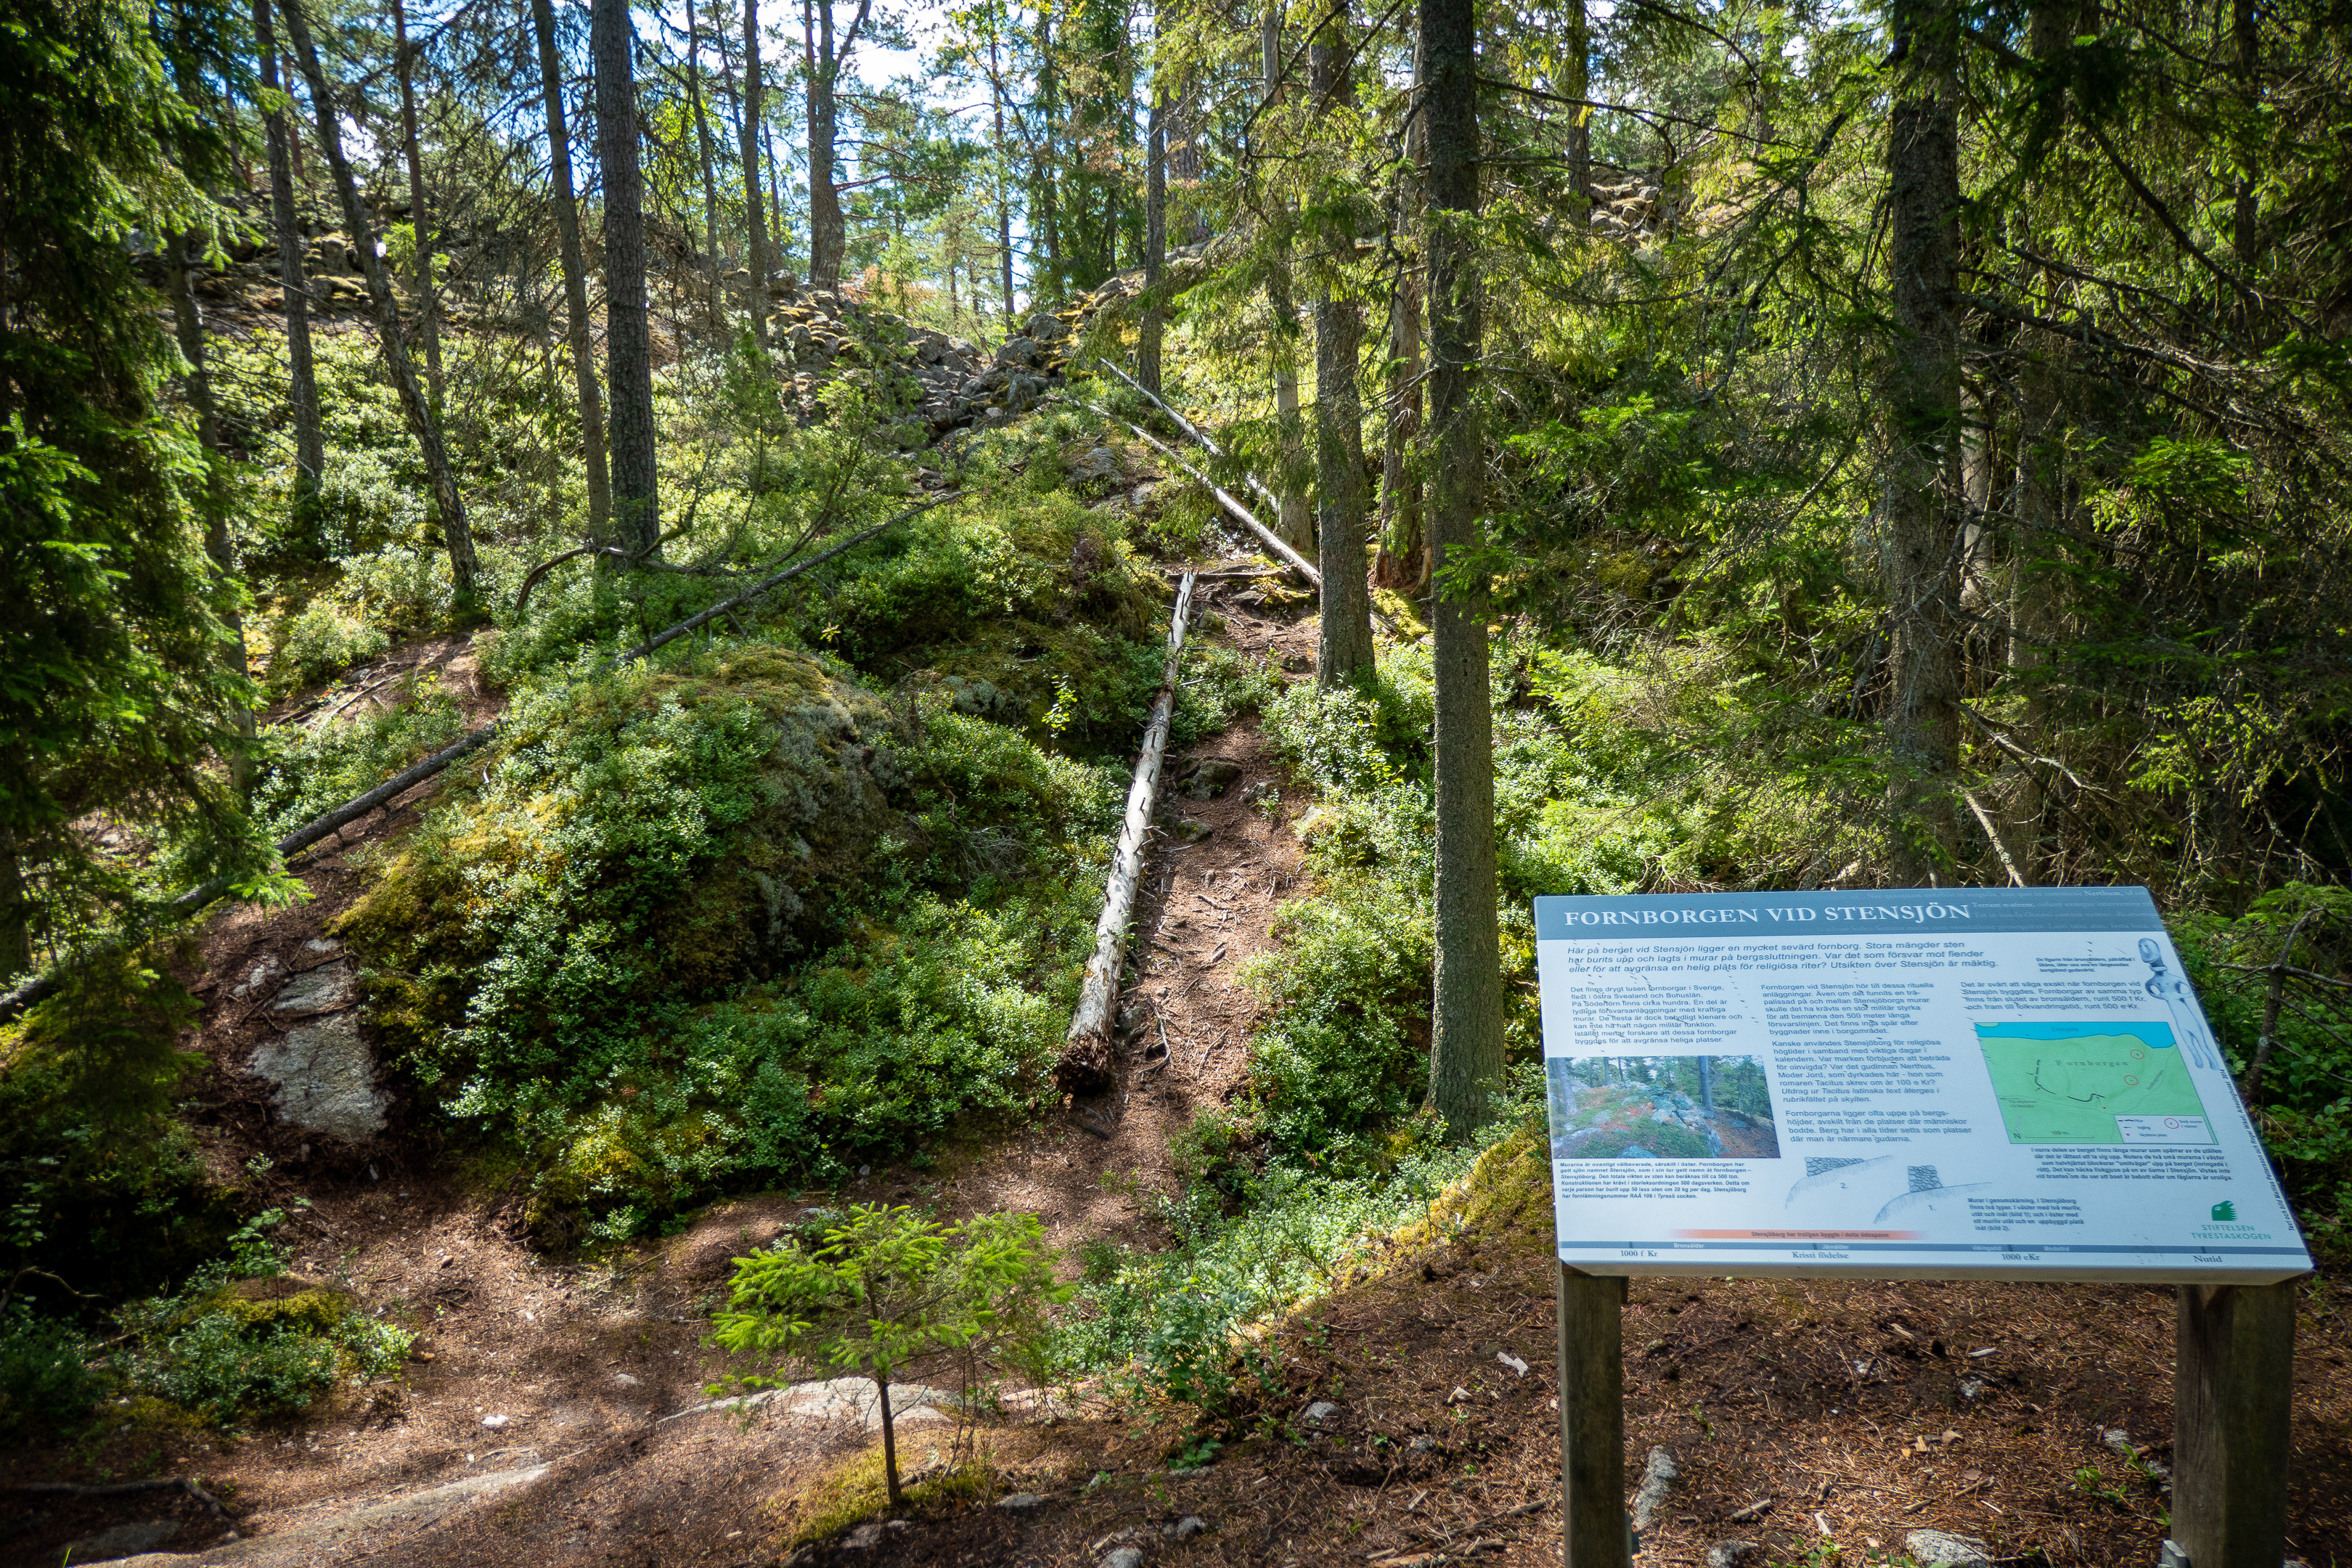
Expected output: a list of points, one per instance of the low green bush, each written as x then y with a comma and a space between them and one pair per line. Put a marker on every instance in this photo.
47, 1382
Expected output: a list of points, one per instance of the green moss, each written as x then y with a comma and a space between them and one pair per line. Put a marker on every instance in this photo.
268, 1305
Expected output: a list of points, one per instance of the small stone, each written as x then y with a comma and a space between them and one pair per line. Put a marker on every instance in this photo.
622, 1380
320, 989
1423, 1444
1263, 792
1190, 1525
1935, 1549
1191, 1474
325, 1077
1021, 1502
1736, 1554
495, 1422
122, 1541
1322, 1413
1210, 778
1124, 1557
1298, 663
1657, 1479
1190, 830
865, 1538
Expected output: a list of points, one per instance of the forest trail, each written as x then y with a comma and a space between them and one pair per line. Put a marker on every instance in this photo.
548, 1391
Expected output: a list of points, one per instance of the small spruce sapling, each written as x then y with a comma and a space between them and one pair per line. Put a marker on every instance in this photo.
885, 1286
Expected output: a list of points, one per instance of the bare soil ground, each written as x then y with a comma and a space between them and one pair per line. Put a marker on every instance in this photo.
1800, 1414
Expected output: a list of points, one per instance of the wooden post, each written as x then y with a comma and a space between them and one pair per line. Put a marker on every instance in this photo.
1592, 1369
2232, 1394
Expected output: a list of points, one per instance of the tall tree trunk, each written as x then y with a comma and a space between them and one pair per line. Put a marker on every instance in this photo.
579, 329
2245, 224
1922, 395
1465, 1060
1155, 242
1576, 52
1344, 643
1004, 204
717, 301
393, 342
1048, 173
754, 108
828, 233
1184, 159
420, 218
628, 330
1296, 520
302, 376
182, 256
1402, 560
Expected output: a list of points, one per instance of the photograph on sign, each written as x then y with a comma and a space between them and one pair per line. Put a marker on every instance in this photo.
2008, 1083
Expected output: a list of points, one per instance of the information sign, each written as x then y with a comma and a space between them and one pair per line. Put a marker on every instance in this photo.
1995, 1083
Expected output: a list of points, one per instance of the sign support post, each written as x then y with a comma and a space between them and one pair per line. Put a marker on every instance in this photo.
2232, 1397
1591, 1381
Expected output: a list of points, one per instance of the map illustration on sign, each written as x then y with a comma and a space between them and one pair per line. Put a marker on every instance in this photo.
2092, 1083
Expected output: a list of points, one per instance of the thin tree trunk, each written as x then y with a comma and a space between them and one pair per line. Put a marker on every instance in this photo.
1403, 560
301, 377
628, 330
2245, 219
754, 93
1296, 520
828, 235
1155, 242
1004, 206
1185, 159
16, 912
187, 319
393, 342
1048, 205
420, 222
578, 328
1922, 397
718, 305
1344, 650
1465, 1060
1575, 53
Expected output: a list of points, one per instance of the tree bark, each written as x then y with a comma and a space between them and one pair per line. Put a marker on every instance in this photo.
1004, 206
754, 94
717, 302
1344, 641
1403, 560
578, 328
420, 222
1576, 53
1296, 518
823, 56
1086, 1050
393, 342
1155, 242
1465, 1060
1185, 159
188, 321
302, 376
1049, 219
1919, 514
628, 330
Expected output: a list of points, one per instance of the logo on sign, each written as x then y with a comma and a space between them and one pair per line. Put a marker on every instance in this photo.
2225, 1213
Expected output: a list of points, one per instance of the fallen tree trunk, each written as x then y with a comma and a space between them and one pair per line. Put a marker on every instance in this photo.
1189, 428
318, 828
1273, 542
1086, 1050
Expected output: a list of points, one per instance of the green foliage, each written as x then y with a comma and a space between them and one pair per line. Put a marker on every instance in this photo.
100, 1187
885, 1286
354, 745
118, 668
47, 1382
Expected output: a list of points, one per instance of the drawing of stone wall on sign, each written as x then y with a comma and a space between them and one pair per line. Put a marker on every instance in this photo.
2092, 1083
1661, 1108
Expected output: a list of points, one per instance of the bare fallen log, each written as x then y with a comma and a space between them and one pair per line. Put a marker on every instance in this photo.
318, 828
1086, 1050
1273, 543
1191, 429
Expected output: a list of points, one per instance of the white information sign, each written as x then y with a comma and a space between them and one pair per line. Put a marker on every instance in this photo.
1995, 1083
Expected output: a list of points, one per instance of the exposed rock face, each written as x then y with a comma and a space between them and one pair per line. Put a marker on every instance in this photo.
325, 1077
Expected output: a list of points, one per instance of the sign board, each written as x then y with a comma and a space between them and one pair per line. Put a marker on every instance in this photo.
1995, 1083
